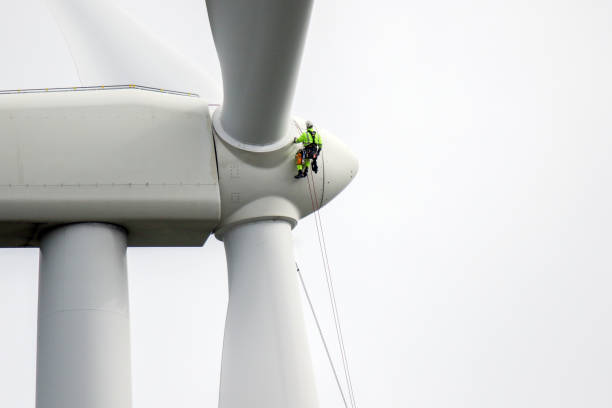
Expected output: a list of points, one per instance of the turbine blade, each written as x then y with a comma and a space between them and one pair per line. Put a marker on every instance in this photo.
259, 43
266, 359
108, 47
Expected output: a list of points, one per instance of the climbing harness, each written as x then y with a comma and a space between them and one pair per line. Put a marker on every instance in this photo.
330, 287
311, 150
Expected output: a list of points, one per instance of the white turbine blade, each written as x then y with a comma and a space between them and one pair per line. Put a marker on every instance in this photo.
108, 47
266, 357
259, 43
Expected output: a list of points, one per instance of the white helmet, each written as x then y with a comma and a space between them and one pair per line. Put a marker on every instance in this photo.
308, 124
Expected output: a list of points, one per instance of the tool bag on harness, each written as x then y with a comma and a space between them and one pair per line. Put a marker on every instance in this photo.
299, 157
310, 151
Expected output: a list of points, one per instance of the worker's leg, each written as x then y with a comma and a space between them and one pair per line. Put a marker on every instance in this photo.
306, 165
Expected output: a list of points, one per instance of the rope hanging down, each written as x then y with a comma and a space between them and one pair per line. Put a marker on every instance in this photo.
330, 287
316, 319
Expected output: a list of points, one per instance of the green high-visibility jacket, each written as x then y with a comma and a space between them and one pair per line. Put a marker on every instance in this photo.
309, 137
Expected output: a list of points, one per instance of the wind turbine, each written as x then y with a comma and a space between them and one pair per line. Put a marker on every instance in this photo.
86, 172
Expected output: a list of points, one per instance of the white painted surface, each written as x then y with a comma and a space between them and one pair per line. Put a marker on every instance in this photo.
141, 159
266, 356
83, 357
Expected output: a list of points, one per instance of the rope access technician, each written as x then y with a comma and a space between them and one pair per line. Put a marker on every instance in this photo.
312, 148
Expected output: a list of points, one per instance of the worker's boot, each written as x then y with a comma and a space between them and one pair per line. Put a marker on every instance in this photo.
299, 175
305, 172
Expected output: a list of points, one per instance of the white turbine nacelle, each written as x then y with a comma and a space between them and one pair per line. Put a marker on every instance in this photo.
142, 160
145, 161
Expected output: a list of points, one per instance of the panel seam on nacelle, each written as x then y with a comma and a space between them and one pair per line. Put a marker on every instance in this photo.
112, 185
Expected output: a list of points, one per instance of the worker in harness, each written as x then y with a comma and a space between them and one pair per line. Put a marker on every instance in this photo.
312, 148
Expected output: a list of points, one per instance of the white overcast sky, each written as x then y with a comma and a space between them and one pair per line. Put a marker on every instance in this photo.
472, 254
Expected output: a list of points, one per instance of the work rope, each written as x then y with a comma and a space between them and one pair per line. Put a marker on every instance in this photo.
330, 287
316, 319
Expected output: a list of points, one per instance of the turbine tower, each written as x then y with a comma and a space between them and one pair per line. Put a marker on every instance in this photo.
87, 172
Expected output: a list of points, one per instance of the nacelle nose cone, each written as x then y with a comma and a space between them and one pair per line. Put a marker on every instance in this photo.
340, 166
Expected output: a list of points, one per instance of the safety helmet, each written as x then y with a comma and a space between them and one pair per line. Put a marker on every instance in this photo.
308, 124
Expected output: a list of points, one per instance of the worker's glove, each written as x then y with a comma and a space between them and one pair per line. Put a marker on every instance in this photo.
319, 150
295, 140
